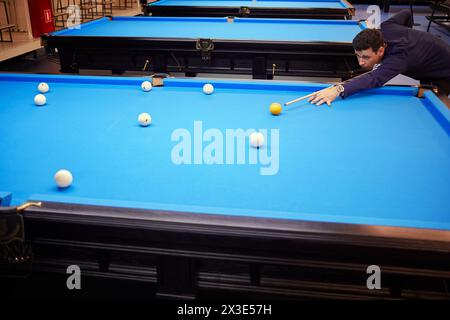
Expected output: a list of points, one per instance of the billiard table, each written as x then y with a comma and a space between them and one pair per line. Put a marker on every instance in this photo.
185, 208
261, 47
293, 9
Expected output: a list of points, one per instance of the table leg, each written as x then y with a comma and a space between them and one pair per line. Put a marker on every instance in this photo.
432, 15
386, 5
5, 5
412, 13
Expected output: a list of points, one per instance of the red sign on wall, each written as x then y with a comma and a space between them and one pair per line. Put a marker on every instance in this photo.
48, 16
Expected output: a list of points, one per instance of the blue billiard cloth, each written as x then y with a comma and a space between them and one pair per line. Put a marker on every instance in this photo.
416, 54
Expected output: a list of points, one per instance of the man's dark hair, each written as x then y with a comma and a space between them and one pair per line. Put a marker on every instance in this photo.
368, 38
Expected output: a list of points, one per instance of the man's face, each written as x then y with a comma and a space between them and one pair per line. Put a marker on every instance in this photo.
368, 58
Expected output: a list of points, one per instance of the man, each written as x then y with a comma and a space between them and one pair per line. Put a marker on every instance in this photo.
394, 49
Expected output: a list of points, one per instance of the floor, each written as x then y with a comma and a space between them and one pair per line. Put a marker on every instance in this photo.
22, 44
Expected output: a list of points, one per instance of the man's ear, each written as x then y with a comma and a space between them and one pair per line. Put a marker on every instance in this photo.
381, 51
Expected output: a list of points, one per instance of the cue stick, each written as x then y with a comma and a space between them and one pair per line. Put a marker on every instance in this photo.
316, 92
305, 97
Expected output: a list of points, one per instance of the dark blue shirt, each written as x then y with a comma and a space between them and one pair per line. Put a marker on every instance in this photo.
416, 54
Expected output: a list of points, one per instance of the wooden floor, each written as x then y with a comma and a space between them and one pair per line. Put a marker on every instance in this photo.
20, 46
23, 45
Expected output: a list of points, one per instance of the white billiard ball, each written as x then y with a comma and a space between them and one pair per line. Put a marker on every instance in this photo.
146, 86
144, 119
63, 178
208, 88
40, 100
43, 87
256, 139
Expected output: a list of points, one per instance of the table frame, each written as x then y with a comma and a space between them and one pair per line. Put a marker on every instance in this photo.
181, 267
255, 12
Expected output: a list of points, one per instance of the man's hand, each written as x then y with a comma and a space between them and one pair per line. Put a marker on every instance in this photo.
325, 96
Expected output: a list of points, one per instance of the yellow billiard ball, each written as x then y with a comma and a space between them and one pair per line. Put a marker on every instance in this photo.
275, 108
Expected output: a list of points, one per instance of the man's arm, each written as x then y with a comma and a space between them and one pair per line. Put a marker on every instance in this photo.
391, 67
403, 18
394, 63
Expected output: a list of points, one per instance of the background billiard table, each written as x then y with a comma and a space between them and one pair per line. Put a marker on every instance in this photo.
294, 9
257, 46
